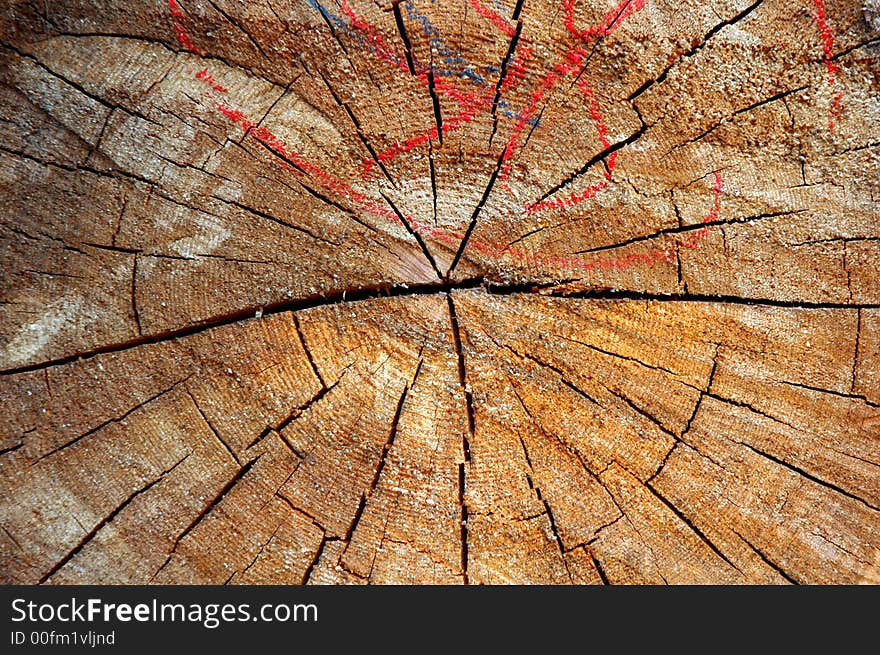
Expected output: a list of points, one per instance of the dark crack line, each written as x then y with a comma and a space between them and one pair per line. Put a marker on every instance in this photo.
307, 350
259, 552
299, 511
599, 568
103, 425
401, 27
595, 159
211, 505
242, 29
605, 294
626, 358
671, 231
311, 567
856, 354
597, 532
573, 452
332, 297
383, 457
562, 375
261, 214
216, 434
842, 549
766, 559
547, 509
12, 538
94, 531
435, 103
738, 112
501, 77
663, 461
693, 50
639, 410
805, 474
134, 306
463, 521
754, 410
690, 524
348, 212
358, 129
79, 87
295, 414
415, 235
358, 294
830, 392
13, 448
467, 437
473, 222
462, 377
433, 173
856, 46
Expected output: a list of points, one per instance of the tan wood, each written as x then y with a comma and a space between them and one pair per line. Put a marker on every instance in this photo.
440, 292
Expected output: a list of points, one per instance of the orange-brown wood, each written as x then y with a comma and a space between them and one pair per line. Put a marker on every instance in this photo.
459, 291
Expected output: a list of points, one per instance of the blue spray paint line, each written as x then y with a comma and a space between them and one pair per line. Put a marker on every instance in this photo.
341, 24
501, 8
451, 58
457, 65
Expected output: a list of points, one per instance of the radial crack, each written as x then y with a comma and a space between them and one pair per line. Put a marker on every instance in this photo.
466, 437
117, 419
94, 531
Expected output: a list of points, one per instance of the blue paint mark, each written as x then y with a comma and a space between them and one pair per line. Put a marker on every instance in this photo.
341, 24
501, 8
457, 66
452, 57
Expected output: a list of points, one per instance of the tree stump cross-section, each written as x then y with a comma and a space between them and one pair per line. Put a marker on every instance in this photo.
440, 292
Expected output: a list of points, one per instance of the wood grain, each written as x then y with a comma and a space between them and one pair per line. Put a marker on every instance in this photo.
440, 292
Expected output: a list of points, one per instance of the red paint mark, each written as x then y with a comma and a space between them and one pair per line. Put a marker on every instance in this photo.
295, 163
205, 76
649, 258
827, 34
493, 17
699, 235
182, 34
611, 21
469, 104
563, 203
380, 48
571, 63
592, 191
298, 164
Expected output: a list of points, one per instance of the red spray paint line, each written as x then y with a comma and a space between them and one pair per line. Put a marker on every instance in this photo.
298, 164
493, 17
571, 63
821, 17
469, 103
610, 22
295, 163
380, 48
591, 191
182, 35
209, 79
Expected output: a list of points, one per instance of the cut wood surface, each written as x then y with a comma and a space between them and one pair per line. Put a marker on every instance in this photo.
434, 291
